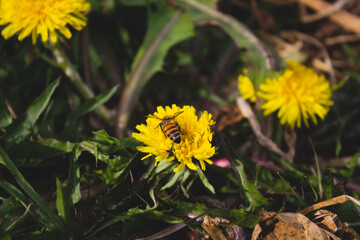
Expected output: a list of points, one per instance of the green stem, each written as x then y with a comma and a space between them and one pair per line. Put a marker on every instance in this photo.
75, 78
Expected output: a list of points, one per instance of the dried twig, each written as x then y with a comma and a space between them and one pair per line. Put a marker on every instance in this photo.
210, 226
330, 202
165, 232
290, 139
324, 13
262, 139
341, 39
348, 21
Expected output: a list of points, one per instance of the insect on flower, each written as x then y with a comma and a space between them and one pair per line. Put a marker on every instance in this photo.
169, 126
188, 136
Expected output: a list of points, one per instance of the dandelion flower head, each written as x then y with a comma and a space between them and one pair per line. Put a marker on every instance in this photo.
246, 88
299, 94
43, 17
196, 137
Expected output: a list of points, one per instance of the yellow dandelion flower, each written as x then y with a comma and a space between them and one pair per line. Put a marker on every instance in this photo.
246, 88
195, 134
43, 17
299, 94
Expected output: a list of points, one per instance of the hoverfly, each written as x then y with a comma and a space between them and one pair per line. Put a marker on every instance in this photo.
169, 126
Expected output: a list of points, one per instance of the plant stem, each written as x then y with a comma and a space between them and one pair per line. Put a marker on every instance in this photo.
75, 78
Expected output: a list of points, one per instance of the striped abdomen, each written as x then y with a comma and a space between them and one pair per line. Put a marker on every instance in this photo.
171, 129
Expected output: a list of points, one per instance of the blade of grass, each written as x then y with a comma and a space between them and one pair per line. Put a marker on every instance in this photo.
19, 219
314, 191
50, 216
299, 198
17, 194
319, 172
14, 191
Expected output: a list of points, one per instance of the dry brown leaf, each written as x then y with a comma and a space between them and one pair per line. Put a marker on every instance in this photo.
324, 224
285, 48
227, 116
329, 221
325, 12
281, 226
210, 226
330, 202
346, 20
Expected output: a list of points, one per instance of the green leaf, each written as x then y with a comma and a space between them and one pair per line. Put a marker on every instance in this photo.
61, 202
330, 189
204, 12
88, 106
19, 220
44, 235
20, 130
248, 190
35, 152
162, 166
166, 27
351, 54
125, 216
185, 177
14, 192
7, 208
205, 181
185, 206
236, 216
47, 213
350, 167
116, 166
67, 196
182, 206
160, 37
73, 181
338, 136
111, 145
5, 115
172, 181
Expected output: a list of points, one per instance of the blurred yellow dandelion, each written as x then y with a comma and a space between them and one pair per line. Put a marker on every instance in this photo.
43, 17
195, 133
246, 88
299, 94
